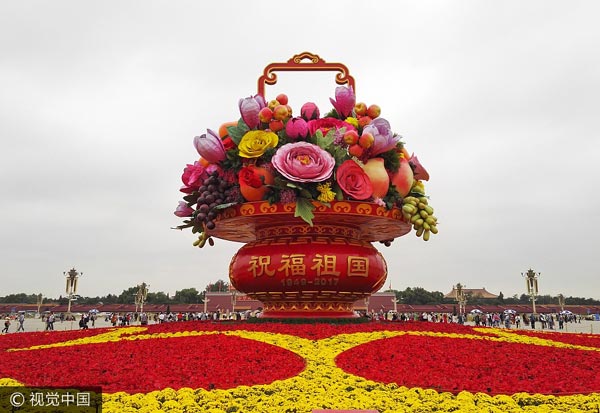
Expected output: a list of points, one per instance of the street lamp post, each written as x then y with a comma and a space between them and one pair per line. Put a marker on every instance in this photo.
233, 300
531, 278
206, 301
72, 277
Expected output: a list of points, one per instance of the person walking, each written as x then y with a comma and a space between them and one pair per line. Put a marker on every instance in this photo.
21, 321
6, 325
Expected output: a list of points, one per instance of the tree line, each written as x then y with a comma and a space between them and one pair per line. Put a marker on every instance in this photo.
128, 296
410, 295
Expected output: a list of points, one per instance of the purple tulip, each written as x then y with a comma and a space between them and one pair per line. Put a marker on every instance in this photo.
210, 146
183, 210
249, 109
309, 111
419, 172
344, 101
297, 128
385, 139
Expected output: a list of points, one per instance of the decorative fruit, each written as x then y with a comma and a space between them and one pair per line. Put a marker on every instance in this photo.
419, 213
265, 115
355, 150
351, 137
273, 103
364, 121
373, 111
282, 99
366, 140
360, 109
254, 181
280, 112
223, 129
403, 179
375, 170
276, 125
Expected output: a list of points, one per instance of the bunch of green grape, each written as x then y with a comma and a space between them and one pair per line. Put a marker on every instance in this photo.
418, 212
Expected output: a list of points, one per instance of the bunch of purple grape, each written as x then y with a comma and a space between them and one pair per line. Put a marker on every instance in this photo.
213, 192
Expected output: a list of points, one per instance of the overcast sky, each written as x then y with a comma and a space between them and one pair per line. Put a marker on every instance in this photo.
100, 101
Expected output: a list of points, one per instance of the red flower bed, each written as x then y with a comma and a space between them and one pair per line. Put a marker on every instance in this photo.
44, 337
447, 357
451, 364
209, 361
588, 340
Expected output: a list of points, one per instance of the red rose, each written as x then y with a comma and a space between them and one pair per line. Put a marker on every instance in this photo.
254, 181
354, 181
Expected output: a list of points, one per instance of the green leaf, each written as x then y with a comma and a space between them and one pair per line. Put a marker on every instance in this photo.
223, 206
236, 132
304, 210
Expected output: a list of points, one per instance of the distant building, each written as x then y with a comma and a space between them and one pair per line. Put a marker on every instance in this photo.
472, 293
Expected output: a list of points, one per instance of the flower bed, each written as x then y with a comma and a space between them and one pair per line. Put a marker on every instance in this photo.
276, 367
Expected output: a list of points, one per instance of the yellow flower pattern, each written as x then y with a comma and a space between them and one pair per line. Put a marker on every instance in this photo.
323, 385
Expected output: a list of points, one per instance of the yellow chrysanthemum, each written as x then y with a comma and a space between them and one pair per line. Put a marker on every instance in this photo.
325, 192
352, 121
255, 142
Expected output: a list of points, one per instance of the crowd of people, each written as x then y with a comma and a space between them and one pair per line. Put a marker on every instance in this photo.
505, 319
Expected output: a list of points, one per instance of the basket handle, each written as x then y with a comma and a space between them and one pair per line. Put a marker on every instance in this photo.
295, 64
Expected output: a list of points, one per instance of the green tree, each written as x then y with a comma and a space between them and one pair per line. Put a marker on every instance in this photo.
220, 285
157, 297
128, 296
188, 296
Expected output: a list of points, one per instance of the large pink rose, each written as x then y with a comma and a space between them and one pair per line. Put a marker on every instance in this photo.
353, 180
303, 162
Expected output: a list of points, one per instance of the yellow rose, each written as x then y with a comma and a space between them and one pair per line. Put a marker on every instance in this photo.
255, 142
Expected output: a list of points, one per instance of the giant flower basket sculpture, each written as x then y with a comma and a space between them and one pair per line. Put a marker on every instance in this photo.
307, 195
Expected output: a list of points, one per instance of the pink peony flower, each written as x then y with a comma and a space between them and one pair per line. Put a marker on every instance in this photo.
249, 109
353, 180
344, 101
309, 111
210, 146
183, 210
296, 128
303, 162
192, 178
